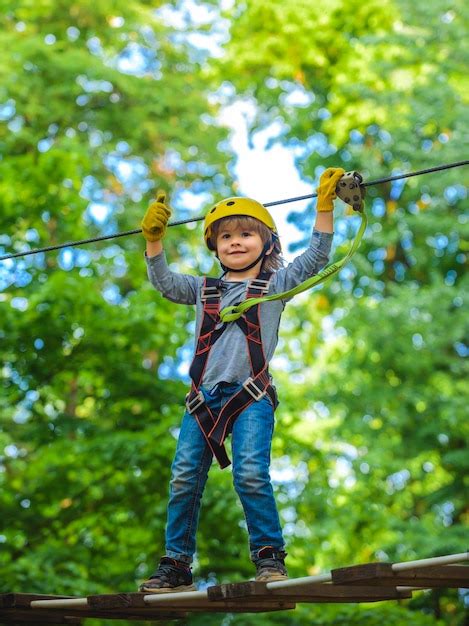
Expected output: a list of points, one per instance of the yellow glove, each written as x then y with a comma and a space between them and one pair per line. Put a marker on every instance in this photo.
326, 190
156, 218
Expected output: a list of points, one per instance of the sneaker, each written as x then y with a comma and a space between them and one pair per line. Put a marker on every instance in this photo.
171, 576
270, 565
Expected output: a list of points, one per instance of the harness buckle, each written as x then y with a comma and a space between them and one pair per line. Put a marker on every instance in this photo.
209, 292
195, 403
253, 390
259, 283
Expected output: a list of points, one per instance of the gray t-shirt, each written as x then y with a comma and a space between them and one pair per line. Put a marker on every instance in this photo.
228, 360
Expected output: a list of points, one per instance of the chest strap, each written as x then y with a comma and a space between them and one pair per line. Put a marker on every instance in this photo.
216, 425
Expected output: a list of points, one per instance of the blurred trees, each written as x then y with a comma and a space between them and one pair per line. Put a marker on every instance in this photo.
101, 103
375, 375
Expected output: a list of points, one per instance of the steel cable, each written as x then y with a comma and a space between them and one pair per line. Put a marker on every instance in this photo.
81, 242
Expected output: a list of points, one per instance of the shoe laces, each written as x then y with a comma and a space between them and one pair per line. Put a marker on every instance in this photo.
168, 567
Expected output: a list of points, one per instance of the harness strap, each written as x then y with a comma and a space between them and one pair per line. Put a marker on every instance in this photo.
253, 389
216, 426
206, 420
210, 330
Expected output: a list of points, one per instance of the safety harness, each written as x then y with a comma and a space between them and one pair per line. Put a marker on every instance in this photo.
214, 425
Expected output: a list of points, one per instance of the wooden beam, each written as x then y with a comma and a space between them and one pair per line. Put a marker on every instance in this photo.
454, 576
11, 600
24, 616
198, 603
369, 582
251, 591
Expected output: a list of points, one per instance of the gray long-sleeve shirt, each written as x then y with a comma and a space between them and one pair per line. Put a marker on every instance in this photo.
228, 360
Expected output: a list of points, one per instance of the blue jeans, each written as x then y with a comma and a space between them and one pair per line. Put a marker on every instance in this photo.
251, 444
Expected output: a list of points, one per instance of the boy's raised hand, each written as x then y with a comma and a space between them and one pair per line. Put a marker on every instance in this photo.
156, 218
327, 185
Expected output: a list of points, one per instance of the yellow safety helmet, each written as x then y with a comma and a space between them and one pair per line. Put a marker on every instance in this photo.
236, 206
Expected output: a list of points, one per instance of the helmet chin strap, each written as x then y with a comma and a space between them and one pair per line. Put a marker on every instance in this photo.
225, 268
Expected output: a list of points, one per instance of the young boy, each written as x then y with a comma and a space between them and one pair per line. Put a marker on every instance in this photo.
232, 391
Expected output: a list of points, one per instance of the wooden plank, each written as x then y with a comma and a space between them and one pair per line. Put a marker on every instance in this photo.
23, 616
57, 616
149, 614
135, 614
136, 601
237, 590
369, 582
252, 591
10, 600
257, 606
361, 573
455, 576
116, 600
131, 606
15, 602
342, 593
247, 596
436, 576
241, 605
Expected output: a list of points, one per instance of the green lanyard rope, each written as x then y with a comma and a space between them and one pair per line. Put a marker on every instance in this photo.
232, 313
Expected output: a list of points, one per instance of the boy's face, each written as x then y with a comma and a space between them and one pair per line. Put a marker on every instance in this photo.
238, 247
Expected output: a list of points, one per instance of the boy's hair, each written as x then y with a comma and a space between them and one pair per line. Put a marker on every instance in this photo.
274, 260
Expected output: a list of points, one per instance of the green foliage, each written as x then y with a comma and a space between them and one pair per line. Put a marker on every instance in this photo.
87, 428
370, 453
372, 422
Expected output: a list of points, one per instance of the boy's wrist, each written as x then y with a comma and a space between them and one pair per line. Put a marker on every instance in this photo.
154, 247
325, 222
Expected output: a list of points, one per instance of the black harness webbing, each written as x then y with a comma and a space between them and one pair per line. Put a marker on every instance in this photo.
215, 426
